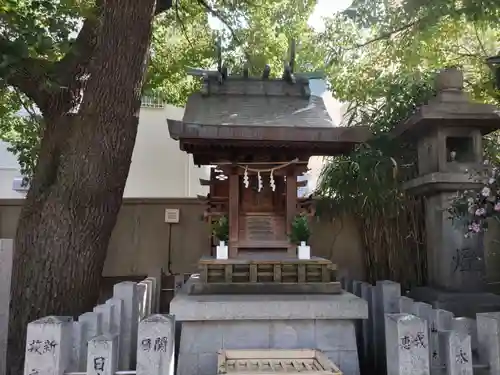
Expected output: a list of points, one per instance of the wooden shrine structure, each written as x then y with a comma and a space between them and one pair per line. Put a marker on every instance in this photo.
259, 134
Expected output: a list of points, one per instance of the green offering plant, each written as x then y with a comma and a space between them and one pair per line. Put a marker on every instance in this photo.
300, 231
220, 229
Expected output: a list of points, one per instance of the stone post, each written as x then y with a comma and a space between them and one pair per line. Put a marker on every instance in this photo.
150, 285
488, 337
91, 327
387, 294
356, 290
455, 348
127, 292
117, 325
107, 313
156, 345
78, 348
348, 285
375, 329
6, 255
141, 292
438, 320
407, 345
405, 305
367, 324
48, 346
466, 326
154, 290
156, 274
422, 310
102, 356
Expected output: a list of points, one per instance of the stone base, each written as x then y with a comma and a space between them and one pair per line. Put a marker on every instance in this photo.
461, 304
214, 322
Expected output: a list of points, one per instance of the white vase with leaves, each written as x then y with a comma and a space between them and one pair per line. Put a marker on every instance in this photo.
299, 235
220, 231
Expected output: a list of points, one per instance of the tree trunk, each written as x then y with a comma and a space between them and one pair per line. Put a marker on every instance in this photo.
76, 193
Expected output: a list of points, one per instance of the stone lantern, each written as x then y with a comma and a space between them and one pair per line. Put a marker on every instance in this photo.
448, 132
494, 64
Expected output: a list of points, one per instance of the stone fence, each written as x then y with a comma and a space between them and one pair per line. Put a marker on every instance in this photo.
121, 335
124, 335
405, 337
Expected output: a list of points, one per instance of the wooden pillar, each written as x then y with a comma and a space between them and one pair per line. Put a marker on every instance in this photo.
234, 198
291, 204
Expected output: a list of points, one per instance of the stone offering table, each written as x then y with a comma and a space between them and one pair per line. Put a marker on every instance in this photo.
281, 321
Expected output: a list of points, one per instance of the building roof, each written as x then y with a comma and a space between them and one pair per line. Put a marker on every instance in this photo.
253, 110
272, 113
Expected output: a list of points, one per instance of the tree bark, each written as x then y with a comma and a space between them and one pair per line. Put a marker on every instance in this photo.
76, 193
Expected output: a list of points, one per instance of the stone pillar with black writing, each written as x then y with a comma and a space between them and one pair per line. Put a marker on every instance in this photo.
455, 349
48, 346
448, 134
155, 345
407, 345
102, 356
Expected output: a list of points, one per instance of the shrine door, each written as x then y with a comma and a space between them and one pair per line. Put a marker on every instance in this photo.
262, 222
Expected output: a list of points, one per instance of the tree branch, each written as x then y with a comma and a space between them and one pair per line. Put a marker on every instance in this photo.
388, 34
55, 86
219, 15
28, 75
75, 63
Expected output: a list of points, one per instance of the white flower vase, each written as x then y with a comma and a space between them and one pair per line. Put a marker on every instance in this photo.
222, 250
304, 251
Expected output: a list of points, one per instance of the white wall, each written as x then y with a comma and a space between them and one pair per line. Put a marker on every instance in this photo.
159, 168
9, 169
336, 110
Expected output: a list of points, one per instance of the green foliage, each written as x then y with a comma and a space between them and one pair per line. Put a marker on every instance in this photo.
220, 229
21, 133
38, 28
182, 38
300, 231
374, 41
380, 58
367, 184
371, 175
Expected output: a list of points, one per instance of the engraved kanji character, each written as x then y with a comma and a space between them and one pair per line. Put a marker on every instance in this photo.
462, 357
146, 345
35, 346
419, 340
406, 342
99, 363
160, 344
49, 346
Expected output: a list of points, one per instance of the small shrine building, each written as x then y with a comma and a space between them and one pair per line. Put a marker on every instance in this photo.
259, 134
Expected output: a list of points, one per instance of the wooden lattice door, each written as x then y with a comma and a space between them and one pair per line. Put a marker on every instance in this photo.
262, 216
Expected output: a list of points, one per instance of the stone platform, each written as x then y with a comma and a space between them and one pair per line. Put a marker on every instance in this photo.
459, 303
281, 321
